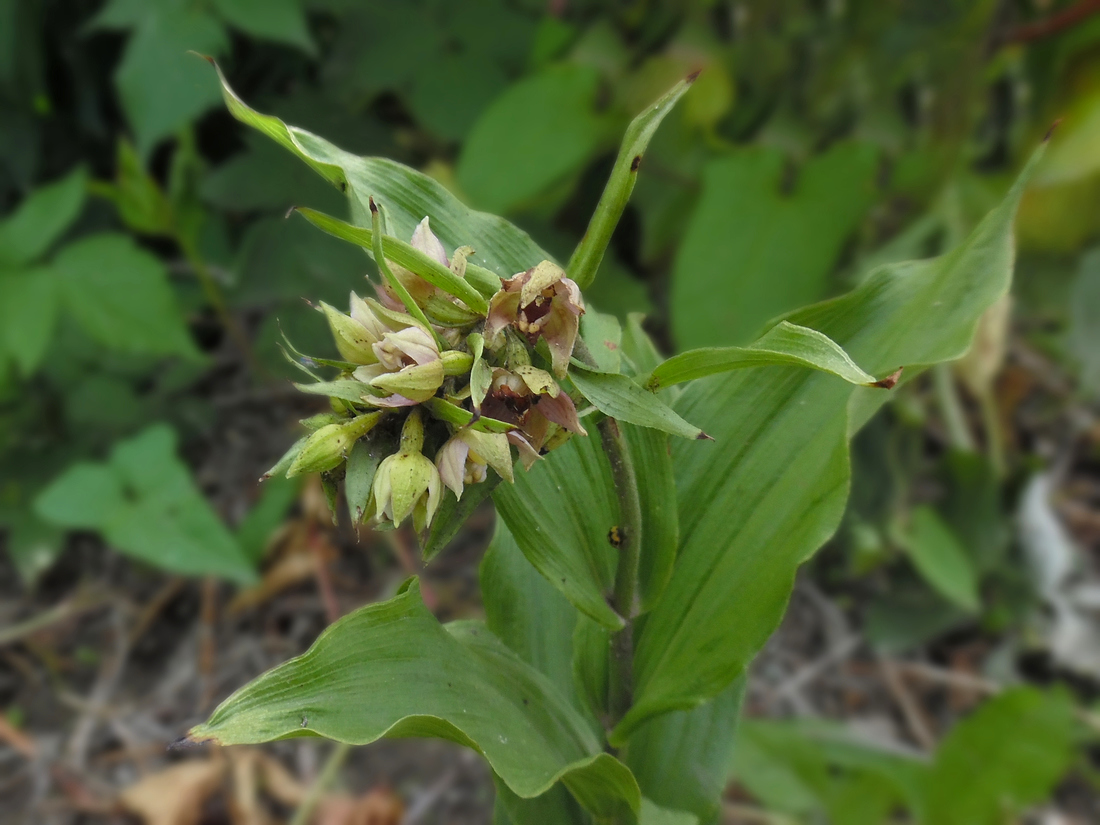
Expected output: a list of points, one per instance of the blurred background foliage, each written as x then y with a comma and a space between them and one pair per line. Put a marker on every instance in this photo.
146, 268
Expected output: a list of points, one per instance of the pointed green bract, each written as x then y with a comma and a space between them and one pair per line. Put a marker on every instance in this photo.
390, 669
619, 396
752, 512
586, 258
403, 254
410, 195
784, 344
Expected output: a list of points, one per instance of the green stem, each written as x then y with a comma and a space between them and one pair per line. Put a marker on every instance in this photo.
620, 674
954, 419
412, 306
332, 767
994, 436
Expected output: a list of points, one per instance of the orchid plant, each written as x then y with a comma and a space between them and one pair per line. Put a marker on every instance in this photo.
639, 562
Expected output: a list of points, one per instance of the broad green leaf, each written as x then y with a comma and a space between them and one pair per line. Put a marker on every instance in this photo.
540, 130
935, 551
656, 815
591, 666
585, 260
408, 195
120, 295
560, 512
144, 502
390, 669
41, 219
758, 503
279, 20
619, 396
789, 766
602, 338
28, 315
785, 343
683, 759
526, 613
453, 514
752, 252
1005, 757
652, 459
162, 88
403, 254
556, 805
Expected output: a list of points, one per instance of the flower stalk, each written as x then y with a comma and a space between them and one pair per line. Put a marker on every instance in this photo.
620, 672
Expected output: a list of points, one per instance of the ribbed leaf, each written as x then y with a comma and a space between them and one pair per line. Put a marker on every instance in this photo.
619, 396
650, 452
753, 511
41, 219
390, 669
784, 344
408, 195
560, 513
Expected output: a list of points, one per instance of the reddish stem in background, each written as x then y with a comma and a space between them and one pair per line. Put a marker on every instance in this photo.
1067, 18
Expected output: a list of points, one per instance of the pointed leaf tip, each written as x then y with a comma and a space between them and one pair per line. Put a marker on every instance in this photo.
890, 381
1050, 131
691, 78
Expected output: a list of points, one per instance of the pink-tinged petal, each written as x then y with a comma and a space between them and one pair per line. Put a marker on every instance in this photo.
416, 343
387, 299
361, 312
562, 411
569, 290
560, 334
451, 463
425, 240
527, 454
390, 401
503, 308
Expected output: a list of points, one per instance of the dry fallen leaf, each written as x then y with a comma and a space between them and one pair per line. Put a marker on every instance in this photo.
380, 806
175, 796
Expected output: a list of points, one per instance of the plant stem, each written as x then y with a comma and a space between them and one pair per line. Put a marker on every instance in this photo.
953, 417
213, 294
620, 676
994, 435
332, 767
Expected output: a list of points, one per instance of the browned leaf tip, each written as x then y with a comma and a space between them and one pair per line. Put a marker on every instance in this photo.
290, 212
704, 437
205, 57
691, 77
372, 204
890, 381
1050, 131
185, 743
634, 164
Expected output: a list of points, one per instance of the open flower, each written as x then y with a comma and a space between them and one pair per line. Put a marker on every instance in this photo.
407, 365
407, 482
540, 302
530, 399
468, 454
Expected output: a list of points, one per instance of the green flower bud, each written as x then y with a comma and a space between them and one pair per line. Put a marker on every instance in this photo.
407, 482
456, 362
328, 446
354, 341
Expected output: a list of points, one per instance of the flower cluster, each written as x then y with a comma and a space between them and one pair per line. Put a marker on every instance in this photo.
436, 395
